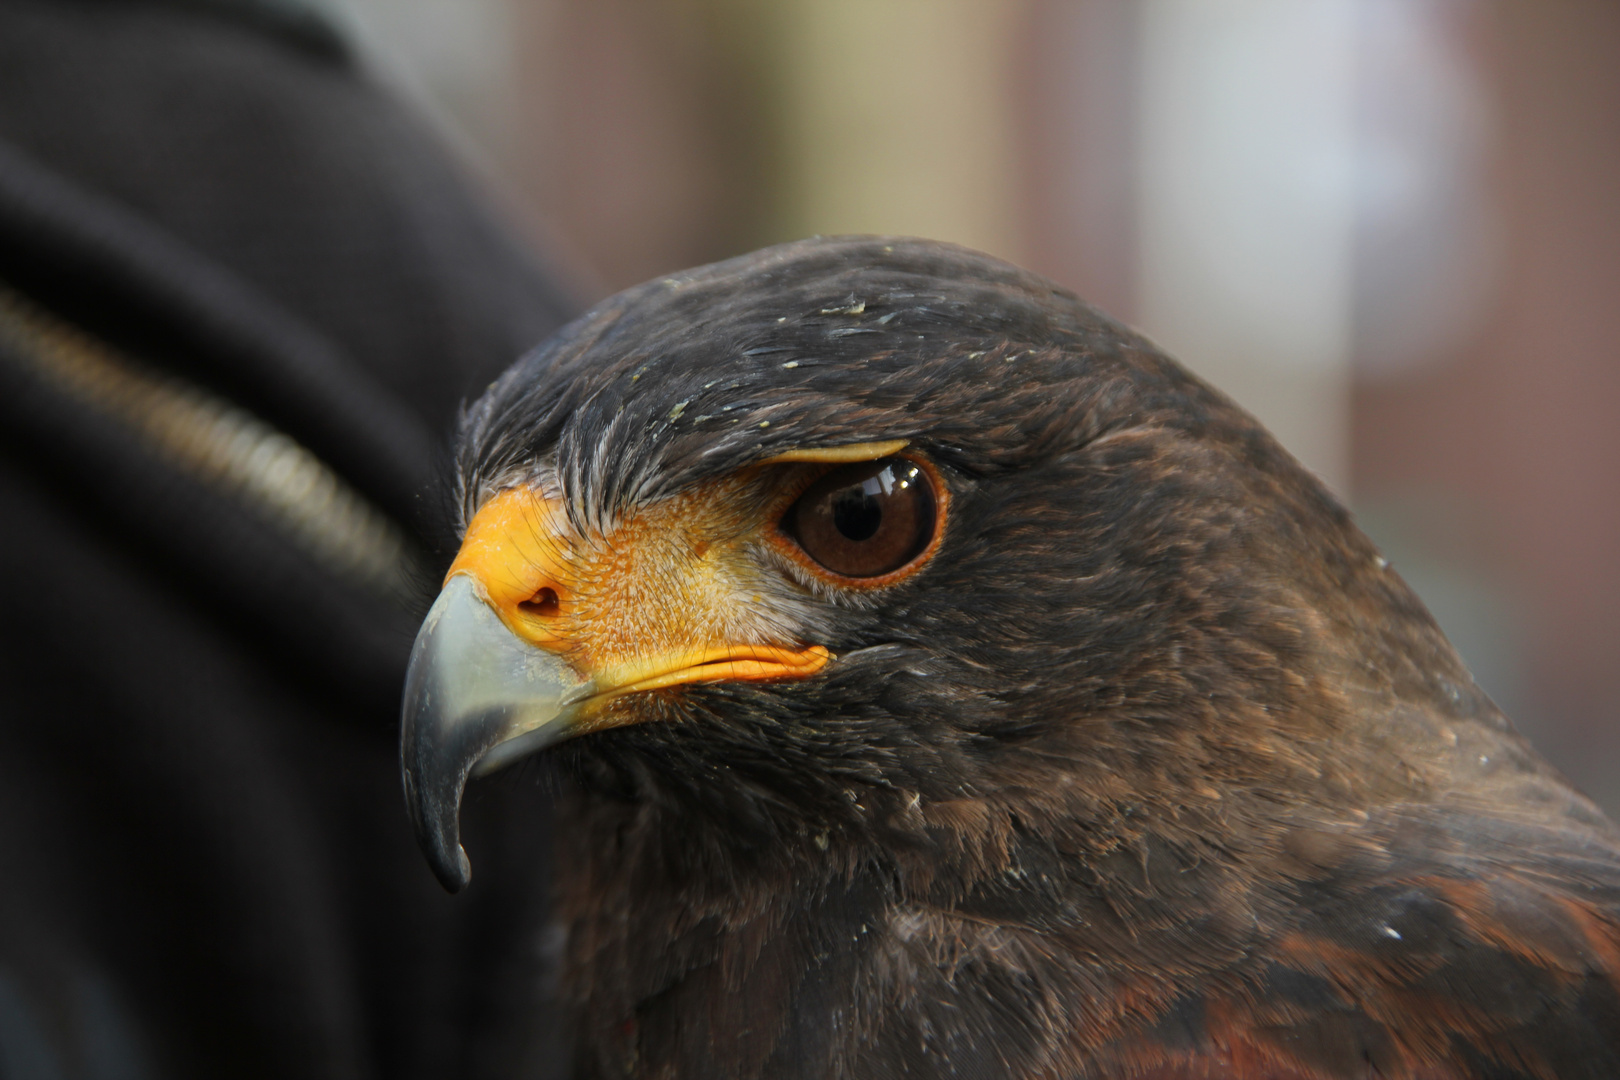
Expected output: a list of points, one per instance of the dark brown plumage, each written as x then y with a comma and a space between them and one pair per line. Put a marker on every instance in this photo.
1150, 767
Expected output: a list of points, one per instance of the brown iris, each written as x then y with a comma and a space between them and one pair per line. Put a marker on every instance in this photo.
867, 519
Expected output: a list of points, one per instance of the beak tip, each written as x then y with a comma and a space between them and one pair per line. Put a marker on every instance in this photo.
472, 687
435, 816
453, 874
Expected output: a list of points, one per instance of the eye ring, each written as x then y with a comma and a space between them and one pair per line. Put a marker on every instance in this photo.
782, 533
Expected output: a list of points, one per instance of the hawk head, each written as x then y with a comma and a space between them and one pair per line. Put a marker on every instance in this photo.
818, 541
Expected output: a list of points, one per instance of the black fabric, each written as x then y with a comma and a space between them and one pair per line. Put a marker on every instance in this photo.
207, 867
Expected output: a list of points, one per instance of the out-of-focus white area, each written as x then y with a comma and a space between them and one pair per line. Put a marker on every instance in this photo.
1428, 230
1245, 207
1311, 193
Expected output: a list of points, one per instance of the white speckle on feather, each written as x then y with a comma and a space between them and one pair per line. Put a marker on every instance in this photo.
791, 364
1390, 931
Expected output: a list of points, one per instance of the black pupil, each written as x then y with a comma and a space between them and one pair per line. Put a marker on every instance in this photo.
857, 513
864, 519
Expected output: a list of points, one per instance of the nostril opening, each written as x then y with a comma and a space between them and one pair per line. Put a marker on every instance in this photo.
543, 603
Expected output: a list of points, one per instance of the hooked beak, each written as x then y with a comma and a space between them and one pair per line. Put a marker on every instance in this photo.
504, 664
476, 697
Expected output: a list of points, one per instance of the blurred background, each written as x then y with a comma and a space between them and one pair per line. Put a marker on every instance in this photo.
1391, 228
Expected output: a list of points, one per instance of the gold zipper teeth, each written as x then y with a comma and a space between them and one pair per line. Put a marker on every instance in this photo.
221, 444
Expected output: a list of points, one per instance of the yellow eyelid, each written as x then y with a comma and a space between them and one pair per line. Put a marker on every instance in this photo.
840, 455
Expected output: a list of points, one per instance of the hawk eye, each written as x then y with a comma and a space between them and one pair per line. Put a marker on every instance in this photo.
867, 519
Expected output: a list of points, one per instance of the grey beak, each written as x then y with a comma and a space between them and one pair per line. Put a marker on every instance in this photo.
476, 697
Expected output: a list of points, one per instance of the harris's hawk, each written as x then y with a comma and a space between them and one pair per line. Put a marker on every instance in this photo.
945, 683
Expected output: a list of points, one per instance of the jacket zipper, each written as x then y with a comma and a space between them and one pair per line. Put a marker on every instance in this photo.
220, 444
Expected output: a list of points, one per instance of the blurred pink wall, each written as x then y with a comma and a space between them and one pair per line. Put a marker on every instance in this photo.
1517, 431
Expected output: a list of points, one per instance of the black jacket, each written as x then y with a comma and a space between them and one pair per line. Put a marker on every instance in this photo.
241, 296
